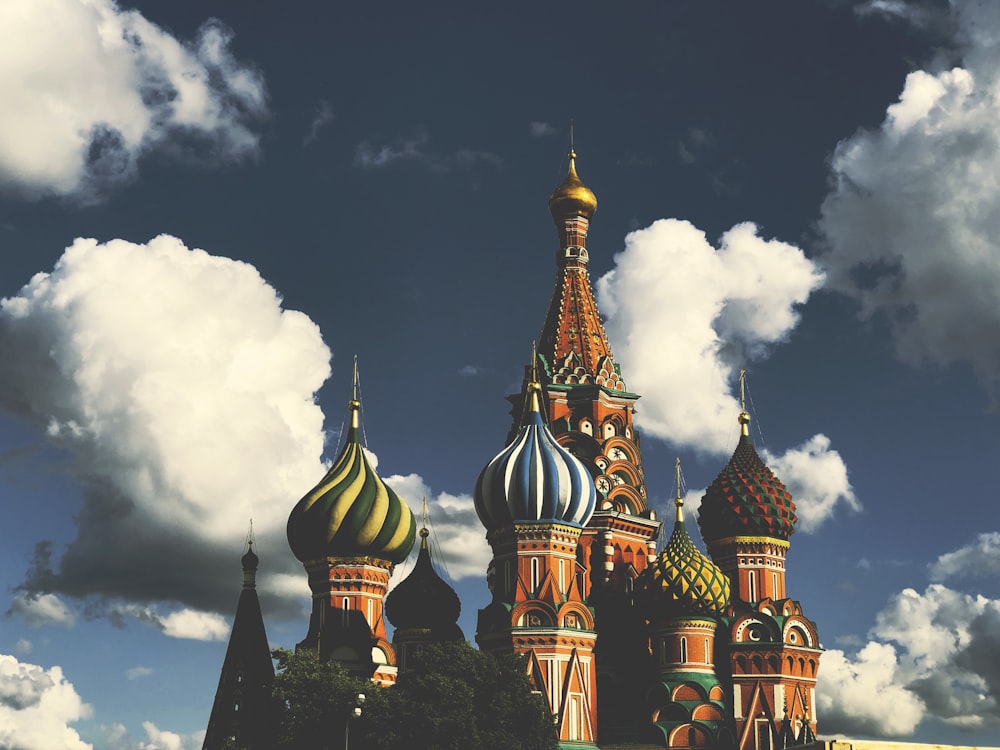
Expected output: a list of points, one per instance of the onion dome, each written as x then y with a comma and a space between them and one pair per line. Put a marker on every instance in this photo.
572, 197
351, 512
682, 580
746, 499
250, 561
424, 601
534, 479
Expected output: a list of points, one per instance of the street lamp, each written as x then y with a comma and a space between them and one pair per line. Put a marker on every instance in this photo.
354, 713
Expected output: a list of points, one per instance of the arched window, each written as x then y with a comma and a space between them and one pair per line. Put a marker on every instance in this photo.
534, 574
684, 650
708, 653
752, 581
345, 610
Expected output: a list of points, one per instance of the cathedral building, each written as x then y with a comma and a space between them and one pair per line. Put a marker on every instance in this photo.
628, 645
689, 650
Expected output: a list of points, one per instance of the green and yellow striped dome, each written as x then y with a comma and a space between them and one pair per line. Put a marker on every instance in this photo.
351, 512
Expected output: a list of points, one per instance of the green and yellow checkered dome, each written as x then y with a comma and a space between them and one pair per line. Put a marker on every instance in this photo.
351, 512
682, 580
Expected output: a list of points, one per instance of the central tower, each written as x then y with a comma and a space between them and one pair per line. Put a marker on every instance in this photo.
590, 411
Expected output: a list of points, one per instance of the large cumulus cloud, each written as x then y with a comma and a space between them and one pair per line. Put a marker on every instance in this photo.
685, 316
931, 655
88, 88
911, 220
183, 395
38, 707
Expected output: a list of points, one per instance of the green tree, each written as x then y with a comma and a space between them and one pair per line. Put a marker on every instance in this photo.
314, 700
452, 697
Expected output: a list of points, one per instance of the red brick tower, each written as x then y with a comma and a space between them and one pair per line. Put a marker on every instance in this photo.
534, 499
590, 411
746, 518
349, 531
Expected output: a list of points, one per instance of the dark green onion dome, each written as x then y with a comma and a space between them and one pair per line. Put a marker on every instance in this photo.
351, 512
682, 580
423, 600
746, 499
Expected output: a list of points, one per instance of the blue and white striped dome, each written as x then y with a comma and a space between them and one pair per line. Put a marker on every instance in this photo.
534, 479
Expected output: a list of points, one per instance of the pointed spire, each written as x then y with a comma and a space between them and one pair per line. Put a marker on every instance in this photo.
679, 501
744, 418
423, 525
534, 387
355, 403
249, 561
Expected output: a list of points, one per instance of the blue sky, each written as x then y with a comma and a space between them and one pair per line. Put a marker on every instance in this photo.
207, 209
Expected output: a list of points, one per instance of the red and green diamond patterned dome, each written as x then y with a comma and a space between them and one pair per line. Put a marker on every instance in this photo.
746, 499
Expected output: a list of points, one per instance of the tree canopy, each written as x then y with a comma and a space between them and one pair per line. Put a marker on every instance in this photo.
452, 697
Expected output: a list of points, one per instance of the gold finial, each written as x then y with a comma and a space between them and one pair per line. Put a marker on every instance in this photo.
354, 404
679, 501
534, 387
423, 525
744, 418
250, 538
572, 197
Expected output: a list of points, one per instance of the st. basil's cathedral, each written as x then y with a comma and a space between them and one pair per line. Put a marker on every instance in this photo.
630, 646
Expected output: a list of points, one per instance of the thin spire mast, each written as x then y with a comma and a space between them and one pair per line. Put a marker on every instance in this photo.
744, 418
679, 501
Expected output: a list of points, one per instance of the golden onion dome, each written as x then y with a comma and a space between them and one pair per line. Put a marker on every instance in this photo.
572, 197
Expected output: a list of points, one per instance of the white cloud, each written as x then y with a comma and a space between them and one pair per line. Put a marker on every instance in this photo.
41, 609
931, 655
161, 739
862, 696
980, 558
817, 477
414, 149
136, 672
459, 536
37, 707
541, 129
88, 88
685, 316
321, 119
116, 737
184, 394
911, 220
198, 626
23, 647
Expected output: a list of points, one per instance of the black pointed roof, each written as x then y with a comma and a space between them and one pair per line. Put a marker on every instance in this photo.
243, 695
